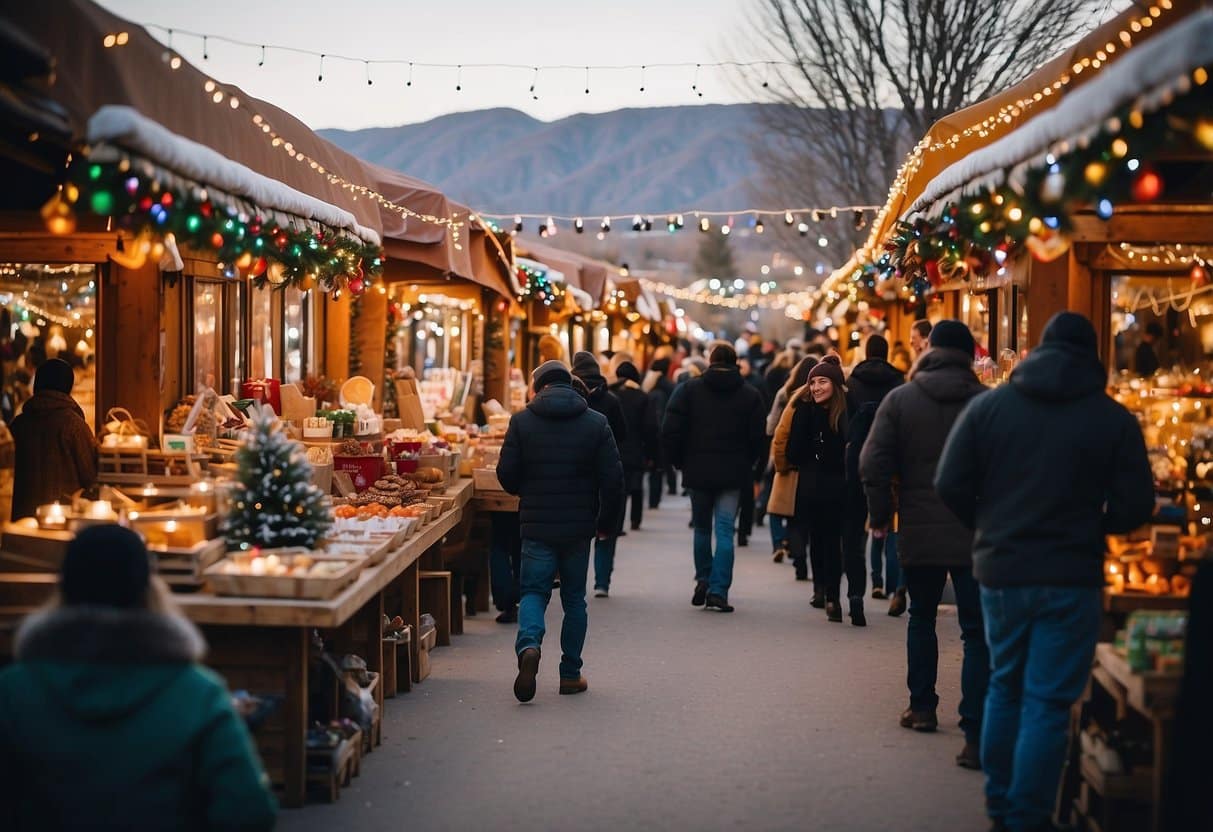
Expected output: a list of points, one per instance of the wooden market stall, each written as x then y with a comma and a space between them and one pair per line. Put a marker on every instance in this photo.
1098, 203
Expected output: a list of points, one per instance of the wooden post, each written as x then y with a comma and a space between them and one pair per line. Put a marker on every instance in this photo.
1048, 294
131, 333
368, 333
337, 337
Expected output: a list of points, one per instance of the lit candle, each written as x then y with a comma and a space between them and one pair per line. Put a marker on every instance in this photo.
55, 516
101, 509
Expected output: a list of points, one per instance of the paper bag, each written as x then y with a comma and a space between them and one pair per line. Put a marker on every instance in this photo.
408, 404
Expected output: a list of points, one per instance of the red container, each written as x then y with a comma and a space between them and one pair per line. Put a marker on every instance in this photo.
363, 470
264, 390
399, 448
406, 466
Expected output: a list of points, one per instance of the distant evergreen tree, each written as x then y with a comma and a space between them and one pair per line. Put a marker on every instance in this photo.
715, 257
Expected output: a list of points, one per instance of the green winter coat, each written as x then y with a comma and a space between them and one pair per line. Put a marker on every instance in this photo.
107, 721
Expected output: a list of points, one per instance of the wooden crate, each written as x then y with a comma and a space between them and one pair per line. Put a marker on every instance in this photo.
329, 770
397, 664
267, 586
185, 568
138, 466
435, 598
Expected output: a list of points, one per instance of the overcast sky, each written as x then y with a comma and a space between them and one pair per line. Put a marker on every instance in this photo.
529, 32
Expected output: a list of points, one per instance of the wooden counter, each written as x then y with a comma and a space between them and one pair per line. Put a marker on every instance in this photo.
206, 608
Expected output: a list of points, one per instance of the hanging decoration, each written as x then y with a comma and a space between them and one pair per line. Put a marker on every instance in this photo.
973, 236
537, 286
755, 219
271, 250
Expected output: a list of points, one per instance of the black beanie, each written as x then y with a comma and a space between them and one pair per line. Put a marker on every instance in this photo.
550, 372
952, 335
877, 347
1071, 328
627, 370
585, 366
723, 354
105, 566
55, 375
830, 367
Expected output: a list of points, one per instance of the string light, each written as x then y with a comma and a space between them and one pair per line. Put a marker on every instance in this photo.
760, 215
1008, 115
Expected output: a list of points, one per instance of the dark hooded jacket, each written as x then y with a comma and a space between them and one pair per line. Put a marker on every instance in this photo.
715, 430
601, 399
107, 721
870, 381
641, 435
1045, 466
806, 441
898, 460
560, 458
659, 387
56, 453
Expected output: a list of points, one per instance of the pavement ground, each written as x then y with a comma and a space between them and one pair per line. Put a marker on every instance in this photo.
769, 718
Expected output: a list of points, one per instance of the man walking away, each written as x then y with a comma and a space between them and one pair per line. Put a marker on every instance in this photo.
870, 381
920, 332
1042, 468
714, 432
660, 387
640, 448
560, 458
898, 469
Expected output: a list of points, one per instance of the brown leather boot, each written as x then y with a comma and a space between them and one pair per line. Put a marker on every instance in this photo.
924, 721
571, 686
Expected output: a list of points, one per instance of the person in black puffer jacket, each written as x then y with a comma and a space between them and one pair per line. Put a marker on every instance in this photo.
714, 432
560, 458
601, 399
639, 449
870, 381
659, 387
1042, 468
898, 468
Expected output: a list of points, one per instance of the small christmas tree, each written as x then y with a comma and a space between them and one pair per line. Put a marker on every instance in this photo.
275, 503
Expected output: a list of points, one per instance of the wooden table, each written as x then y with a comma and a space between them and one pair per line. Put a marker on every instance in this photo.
263, 644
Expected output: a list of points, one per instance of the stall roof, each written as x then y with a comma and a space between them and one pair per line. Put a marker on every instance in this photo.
589, 275
137, 74
1147, 74
967, 131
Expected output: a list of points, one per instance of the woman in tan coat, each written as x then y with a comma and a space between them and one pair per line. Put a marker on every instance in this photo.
56, 453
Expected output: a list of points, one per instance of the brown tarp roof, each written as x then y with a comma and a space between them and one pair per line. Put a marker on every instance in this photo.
89, 76
585, 273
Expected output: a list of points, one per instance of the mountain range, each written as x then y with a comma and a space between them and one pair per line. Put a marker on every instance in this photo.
503, 160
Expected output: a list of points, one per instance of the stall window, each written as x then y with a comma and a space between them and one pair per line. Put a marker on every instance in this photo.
236, 298
261, 330
207, 315
296, 327
975, 309
48, 311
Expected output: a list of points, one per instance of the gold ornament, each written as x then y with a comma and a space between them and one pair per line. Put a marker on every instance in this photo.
58, 215
1047, 247
276, 273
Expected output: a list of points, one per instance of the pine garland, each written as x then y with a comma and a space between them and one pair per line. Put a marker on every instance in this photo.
274, 503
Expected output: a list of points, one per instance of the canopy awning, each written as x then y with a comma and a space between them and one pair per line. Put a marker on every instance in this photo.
967, 131
588, 274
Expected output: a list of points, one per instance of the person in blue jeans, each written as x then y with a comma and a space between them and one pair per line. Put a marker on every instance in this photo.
713, 431
560, 458
1042, 468
898, 465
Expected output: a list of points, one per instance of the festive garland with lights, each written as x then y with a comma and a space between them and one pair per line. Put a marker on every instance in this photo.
973, 236
269, 251
536, 286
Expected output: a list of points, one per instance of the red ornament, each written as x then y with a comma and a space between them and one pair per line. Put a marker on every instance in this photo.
280, 240
254, 227
1147, 187
146, 204
206, 210
259, 267
217, 240
166, 200
1199, 276
933, 275
356, 285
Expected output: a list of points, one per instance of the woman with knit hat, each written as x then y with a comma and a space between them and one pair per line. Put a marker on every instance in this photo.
811, 439
107, 719
56, 453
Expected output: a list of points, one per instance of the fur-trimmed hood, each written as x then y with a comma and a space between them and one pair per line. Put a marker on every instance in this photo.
102, 663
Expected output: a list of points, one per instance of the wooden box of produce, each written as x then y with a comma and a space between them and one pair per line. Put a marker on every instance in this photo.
485, 479
302, 575
136, 466
374, 547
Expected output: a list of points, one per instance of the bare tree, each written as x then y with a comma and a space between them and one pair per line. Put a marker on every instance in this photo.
865, 79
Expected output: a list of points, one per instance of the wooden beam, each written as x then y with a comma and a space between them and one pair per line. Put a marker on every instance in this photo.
1192, 225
